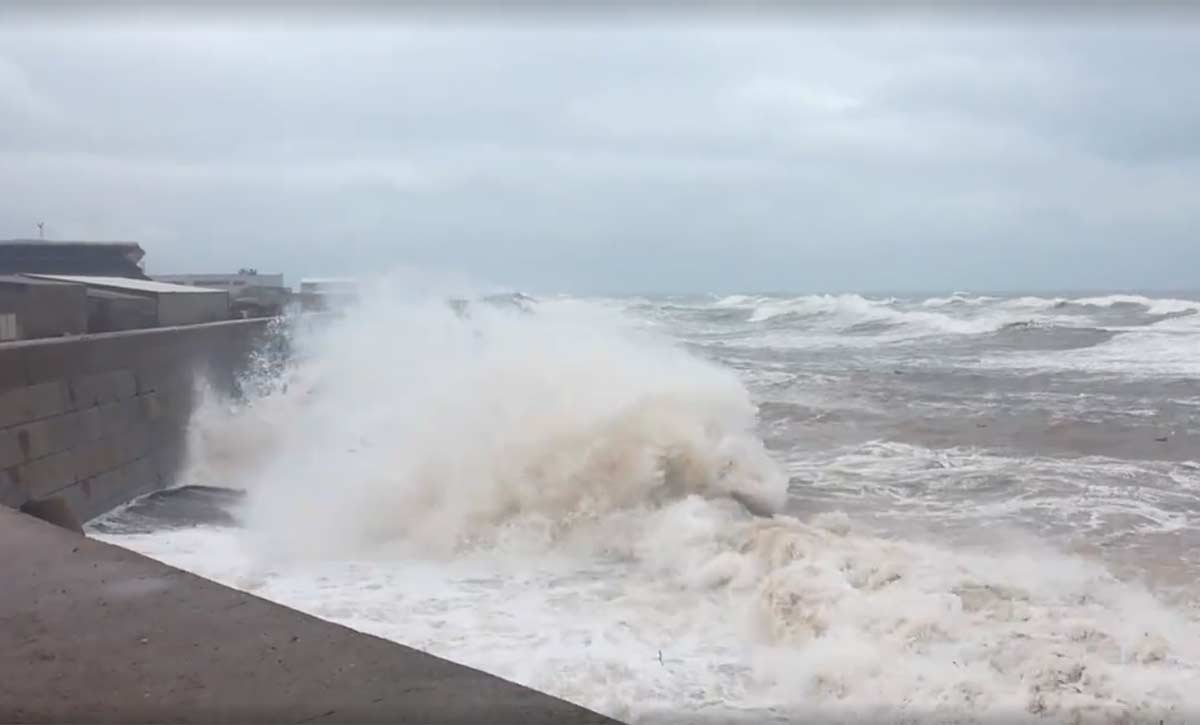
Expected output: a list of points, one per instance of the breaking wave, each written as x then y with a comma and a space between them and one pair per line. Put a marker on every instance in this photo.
1154, 306
960, 314
595, 462
958, 298
855, 314
438, 429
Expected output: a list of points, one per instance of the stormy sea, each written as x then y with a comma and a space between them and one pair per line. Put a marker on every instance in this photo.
836, 508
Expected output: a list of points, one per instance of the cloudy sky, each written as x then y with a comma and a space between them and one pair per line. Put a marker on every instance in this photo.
675, 153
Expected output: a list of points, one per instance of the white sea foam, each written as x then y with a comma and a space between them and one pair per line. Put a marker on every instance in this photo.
551, 497
1153, 305
846, 311
749, 614
438, 429
958, 298
890, 319
856, 321
1170, 348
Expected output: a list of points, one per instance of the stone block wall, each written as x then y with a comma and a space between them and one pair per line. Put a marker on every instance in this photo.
98, 419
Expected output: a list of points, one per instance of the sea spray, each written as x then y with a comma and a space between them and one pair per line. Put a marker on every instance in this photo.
425, 429
562, 485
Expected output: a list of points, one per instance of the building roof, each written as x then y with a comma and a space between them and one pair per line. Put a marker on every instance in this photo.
132, 285
223, 281
118, 259
21, 280
108, 294
217, 275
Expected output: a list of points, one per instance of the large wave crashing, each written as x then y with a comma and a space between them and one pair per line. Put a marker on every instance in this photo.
417, 427
555, 445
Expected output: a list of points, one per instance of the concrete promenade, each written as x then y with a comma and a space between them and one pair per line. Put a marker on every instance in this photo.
92, 633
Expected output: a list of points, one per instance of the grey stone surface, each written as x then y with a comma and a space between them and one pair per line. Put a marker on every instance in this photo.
98, 493
13, 373
55, 510
32, 402
12, 451
48, 473
53, 359
100, 388
93, 633
12, 491
78, 413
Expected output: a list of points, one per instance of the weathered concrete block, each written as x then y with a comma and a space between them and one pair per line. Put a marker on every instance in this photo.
92, 422
95, 457
163, 377
12, 451
112, 451
101, 388
102, 418
168, 458
55, 359
176, 404
162, 348
134, 443
55, 510
24, 443
61, 432
47, 474
13, 372
150, 406
33, 402
13, 491
108, 491
95, 495
107, 352
78, 499
118, 416
28, 442
141, 477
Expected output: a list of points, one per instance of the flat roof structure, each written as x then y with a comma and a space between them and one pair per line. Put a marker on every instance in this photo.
125, 283
176, 304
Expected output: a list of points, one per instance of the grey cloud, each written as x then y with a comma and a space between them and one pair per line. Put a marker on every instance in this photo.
683, 157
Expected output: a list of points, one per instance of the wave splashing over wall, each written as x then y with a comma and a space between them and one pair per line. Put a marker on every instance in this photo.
422, 429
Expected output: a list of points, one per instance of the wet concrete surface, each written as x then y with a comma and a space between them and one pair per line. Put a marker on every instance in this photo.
92, 633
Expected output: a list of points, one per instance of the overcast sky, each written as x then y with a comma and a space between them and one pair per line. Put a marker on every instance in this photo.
673, 154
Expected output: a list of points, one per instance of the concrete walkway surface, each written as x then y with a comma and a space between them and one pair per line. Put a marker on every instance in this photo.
93, 633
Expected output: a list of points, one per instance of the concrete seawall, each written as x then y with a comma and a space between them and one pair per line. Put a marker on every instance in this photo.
95, 420
94, 633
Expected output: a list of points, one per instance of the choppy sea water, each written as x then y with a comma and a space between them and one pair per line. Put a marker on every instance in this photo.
980, 507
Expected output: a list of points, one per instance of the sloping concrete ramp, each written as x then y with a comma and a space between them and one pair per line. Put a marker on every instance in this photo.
92, 633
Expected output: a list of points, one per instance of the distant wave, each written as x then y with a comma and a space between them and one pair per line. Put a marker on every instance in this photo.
736, 301
1151, 305
1031, 303
958, 298
857, 315
1155, 306
960, 313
